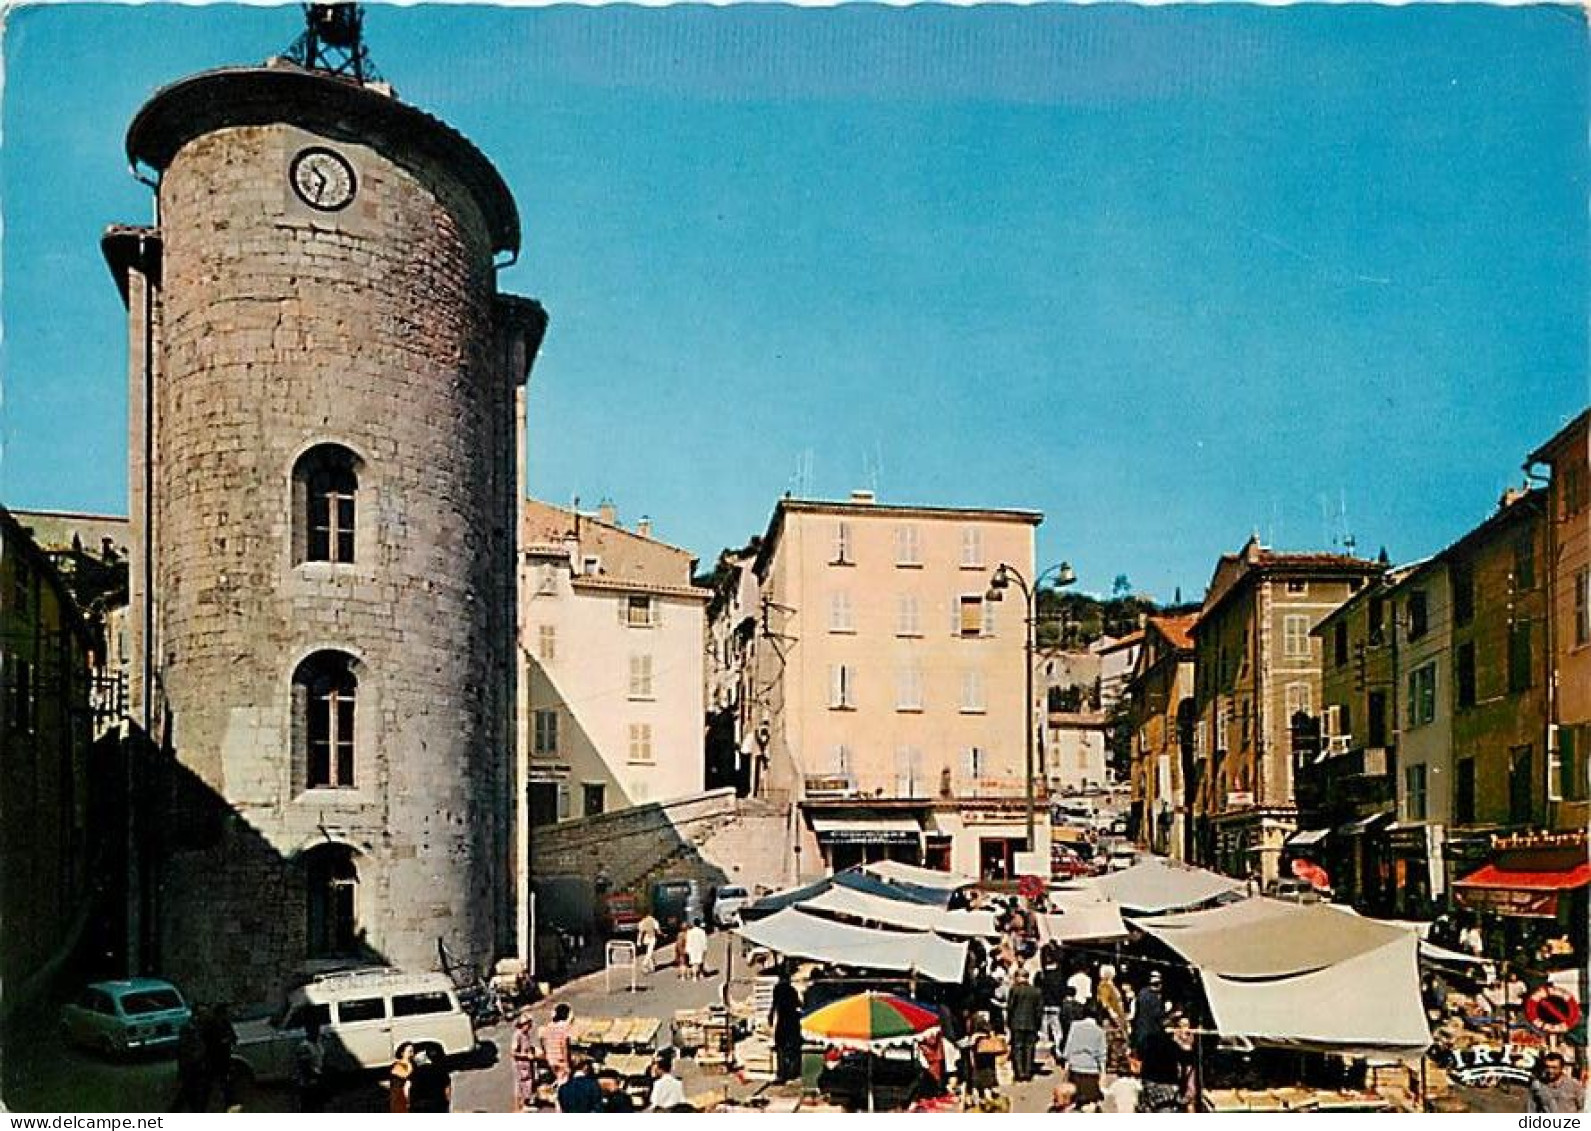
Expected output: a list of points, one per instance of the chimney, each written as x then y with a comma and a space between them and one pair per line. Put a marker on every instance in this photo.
863, 496
644, 527
607, 512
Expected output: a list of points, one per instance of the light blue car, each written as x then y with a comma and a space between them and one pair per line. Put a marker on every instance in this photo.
115, 1018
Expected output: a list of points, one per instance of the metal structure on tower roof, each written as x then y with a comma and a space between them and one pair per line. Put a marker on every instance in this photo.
333, 42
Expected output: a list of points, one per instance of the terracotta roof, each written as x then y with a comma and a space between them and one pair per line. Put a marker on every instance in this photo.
619, 585
1176, 629
548, 525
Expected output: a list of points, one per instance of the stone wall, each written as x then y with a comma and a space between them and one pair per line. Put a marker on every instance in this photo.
635, 844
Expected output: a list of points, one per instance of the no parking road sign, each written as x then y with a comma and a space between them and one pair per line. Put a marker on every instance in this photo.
1552, 1010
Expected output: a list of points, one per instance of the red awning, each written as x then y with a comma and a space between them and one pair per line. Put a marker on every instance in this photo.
1506, 879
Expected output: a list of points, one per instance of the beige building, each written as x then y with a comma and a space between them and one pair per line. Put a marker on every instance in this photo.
1256, 666
1161, 693
1074, 751
611, 633
1568, 575
891, 688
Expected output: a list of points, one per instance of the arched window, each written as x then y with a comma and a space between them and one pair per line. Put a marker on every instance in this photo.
330, 886
325, 689
325, 504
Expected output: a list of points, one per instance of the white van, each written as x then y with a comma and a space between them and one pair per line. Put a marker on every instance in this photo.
364, 1016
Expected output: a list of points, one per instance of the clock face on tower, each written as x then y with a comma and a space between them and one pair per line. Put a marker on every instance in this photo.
323, 179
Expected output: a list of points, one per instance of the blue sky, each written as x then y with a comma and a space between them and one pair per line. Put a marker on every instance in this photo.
1168, 275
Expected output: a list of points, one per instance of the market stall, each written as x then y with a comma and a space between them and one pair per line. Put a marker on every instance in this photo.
1303, 977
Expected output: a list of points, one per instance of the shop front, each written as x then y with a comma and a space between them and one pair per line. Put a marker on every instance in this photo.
848, 837
1535, 889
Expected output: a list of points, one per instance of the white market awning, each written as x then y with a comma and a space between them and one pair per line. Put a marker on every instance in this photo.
1304, 976
1082, 921
798, 934
1158, 885
855, 904
896, 872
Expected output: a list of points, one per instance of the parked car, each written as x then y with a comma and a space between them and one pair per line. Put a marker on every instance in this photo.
1067, 863
677, 903
364, 1016
727, 904
618, 913
116, 1018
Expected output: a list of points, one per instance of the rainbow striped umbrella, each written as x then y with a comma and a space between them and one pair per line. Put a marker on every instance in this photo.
869, 1020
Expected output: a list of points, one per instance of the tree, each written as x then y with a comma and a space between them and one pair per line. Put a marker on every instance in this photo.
1121, 587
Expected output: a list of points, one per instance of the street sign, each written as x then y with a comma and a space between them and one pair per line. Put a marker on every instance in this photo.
1552, 1010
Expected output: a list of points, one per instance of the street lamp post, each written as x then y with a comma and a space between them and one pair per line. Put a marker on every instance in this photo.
1004, 576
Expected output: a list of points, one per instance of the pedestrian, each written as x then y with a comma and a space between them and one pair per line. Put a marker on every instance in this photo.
1149, 1016
430, 1086
581, 1095
646, 932
1024, 1013
1187, 1056
309, 1066
668, 1094
1470, 941
785, 1018
398, 1079
220, 1039
696, 949
1063, 1098
987, 1048
1555, 1092
614, 1096
1052, 987
1085, 1056
526, 1053
682, 966
1082, 984
193, 1066
555, 1041
1159, 1069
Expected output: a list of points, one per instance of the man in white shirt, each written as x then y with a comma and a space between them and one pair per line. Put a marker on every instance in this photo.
696, 949
646, 932
1083, 984
668, 1094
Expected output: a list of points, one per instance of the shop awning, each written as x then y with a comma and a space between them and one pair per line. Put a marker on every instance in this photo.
797, 934
1518, 892
1508, 879
1305, 837
867, 828
1363, 824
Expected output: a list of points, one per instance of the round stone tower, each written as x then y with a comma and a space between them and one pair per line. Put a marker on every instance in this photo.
324, 385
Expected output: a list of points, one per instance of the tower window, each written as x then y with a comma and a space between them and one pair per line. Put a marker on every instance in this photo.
326, 493
325, 689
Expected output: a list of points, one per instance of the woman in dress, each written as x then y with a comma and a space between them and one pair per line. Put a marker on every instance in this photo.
526, 1052
398, 1079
